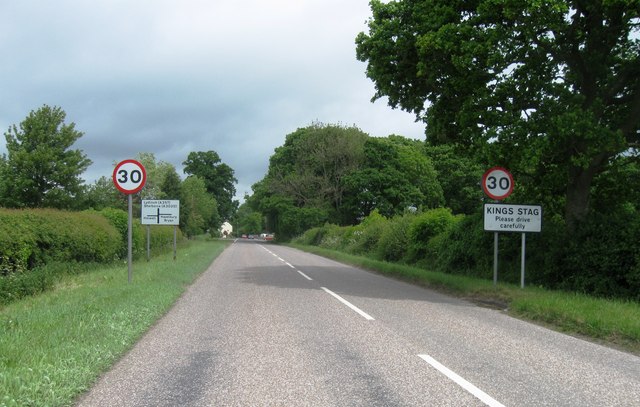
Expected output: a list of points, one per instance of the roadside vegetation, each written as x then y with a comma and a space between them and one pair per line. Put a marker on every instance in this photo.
437, 249
56, 344
38, 245
535, 90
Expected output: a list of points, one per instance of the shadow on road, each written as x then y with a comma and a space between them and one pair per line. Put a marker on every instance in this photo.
344, 280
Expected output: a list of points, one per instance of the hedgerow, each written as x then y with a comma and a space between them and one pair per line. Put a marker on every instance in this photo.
424, 228
31, 238
159, 236
394, 239
38, 244
601, 258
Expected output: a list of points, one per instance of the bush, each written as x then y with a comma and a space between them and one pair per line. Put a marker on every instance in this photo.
311, 237
81, 237
17, 244
120, 220
20, 284
602, 257
162, 236
38, 244
426, 226
338, 237
464, 248
368, 233
394, 240
30, 238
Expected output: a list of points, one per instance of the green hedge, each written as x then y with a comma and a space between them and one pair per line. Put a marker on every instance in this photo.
394, 239
38, 244
601, 257
34, 237
18, 285
426, 227
160, 236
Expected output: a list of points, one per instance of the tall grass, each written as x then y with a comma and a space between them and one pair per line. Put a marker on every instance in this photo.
615, 321
54, 346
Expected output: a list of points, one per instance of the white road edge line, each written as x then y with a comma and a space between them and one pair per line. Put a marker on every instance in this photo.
484, 397
350, 305
304, 275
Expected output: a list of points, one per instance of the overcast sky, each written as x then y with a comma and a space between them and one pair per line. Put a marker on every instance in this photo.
170, 77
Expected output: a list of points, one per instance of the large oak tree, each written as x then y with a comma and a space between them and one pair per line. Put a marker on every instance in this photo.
550, 88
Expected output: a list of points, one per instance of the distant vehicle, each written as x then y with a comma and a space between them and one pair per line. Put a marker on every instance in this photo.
252, 237
244, 236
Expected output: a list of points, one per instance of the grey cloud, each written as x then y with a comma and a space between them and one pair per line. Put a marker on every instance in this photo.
173, 77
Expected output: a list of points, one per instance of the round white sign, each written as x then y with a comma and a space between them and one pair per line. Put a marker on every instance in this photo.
497, 183
129, 176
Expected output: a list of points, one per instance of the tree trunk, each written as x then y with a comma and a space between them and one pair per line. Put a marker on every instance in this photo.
579, 192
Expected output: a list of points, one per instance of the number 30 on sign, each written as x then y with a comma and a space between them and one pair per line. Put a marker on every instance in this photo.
129, 176
497, 183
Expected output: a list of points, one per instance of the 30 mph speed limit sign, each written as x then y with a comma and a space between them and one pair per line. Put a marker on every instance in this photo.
129, 176
497, 183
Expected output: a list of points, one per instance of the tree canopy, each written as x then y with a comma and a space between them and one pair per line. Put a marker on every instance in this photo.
198, 209
395, 175
41, 169
337, 174
157, 173
549, 88
218, 177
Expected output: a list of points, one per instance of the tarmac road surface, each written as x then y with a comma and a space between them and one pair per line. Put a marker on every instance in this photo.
268, 325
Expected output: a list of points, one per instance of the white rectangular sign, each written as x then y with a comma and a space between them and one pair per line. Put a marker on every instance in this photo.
160, 212
512, 218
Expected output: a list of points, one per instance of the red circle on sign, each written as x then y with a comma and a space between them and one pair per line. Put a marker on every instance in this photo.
497, 183
129, 176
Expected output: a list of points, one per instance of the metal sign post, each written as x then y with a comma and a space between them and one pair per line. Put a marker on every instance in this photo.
512, 218
129, 239
522, 260
129, 176
495, 259
497, 183
175, 232
148, 242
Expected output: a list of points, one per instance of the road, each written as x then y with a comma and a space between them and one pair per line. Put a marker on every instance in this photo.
268, 325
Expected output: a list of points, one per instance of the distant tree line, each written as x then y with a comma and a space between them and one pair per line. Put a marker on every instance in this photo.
42, 170
337, 174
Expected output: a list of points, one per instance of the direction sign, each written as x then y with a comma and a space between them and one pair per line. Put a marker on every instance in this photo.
497, 183
160, 212
129, 176
512, 218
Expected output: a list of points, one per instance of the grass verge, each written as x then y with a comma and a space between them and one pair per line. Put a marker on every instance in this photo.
55, 345
612, 322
